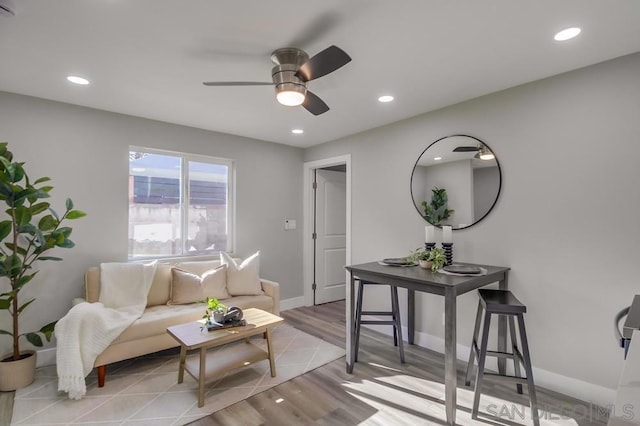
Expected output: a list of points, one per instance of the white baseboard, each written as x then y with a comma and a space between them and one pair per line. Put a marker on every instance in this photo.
46, 357
584, 391
295, 302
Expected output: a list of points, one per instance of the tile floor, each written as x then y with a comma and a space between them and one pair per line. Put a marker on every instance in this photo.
144, 391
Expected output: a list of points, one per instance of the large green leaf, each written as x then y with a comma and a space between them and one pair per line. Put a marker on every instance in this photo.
23, 215
42, 179
5, 303
26, 278
75, 214
48, 329
57, 259
16, 248
34, 339
67, 243
39, 208
65, 230
25, 194
13, 264
7, 167
45, 189
24, 305
19, 172
5, 228
47, 223
27, 229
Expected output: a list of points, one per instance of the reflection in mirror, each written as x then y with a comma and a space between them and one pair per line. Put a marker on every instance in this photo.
456, 181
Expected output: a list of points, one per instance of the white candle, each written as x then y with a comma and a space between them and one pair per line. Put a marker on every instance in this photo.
446, 234
429, 234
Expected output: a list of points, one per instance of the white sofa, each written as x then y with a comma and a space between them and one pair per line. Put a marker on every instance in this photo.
148, 333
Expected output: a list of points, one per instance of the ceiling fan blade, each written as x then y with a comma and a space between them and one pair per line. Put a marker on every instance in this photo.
314, 104
237, 83
466, 149
325, 62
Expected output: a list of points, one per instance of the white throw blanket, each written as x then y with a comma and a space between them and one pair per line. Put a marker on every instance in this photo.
88, 328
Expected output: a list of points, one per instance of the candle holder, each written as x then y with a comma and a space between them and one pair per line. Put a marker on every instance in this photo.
448, 253
429, 246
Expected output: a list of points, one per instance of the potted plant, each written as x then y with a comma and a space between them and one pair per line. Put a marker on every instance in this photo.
437, 209
29, 228
433, 258
215, 310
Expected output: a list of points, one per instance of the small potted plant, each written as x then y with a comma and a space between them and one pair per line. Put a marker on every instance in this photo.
433, 258
215, 310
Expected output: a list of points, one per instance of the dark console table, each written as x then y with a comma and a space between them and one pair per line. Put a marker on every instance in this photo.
419, 279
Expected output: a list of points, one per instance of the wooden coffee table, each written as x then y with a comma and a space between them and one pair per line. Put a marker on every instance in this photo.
217, 363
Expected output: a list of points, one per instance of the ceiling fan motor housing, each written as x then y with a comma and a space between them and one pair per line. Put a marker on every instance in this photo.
288, 60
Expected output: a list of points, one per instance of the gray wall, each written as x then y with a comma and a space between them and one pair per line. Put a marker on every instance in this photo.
484, 190
85, 152
565, 222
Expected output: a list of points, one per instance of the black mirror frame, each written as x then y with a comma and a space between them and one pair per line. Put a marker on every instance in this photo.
499, 182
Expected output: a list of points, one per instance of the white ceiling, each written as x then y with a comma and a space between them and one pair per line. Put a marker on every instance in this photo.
148, 58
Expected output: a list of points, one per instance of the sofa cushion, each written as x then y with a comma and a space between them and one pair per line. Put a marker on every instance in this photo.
198, 267
187, 287
243, 279
161, 286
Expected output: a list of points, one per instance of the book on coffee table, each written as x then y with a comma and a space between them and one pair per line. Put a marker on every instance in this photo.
227, 324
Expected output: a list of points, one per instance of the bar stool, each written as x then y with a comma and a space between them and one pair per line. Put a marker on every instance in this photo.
501, 302
395, 318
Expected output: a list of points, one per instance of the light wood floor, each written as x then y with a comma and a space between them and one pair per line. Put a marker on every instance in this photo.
330, 396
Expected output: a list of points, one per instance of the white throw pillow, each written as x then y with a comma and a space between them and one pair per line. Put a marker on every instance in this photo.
187, 287
243, 279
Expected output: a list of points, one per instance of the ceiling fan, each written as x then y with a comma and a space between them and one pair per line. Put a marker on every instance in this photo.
293, 70
481, 150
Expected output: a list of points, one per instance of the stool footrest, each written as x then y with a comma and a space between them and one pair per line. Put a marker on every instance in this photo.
500, 354
379, 322
522, 380
376, 313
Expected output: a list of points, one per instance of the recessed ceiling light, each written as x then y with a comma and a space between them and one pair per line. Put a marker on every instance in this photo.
385, 98
297, 131
78, 80
437, 158
567, 34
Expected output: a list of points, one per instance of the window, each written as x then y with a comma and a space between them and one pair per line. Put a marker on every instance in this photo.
179, 204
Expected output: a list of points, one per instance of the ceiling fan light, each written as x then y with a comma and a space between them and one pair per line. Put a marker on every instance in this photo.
290, 94
486, 154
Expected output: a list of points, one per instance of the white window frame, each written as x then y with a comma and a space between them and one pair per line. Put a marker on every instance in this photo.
184, 188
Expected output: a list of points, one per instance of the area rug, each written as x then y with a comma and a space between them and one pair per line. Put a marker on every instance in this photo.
144, 391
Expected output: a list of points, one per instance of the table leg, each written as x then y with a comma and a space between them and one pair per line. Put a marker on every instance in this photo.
450, 372
502, 329
201, 376
183, 357
411, 315
351, 354
272, 362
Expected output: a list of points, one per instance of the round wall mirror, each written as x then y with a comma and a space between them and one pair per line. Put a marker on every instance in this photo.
456, 181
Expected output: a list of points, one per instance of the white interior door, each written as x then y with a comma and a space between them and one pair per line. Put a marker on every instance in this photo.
331, 230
